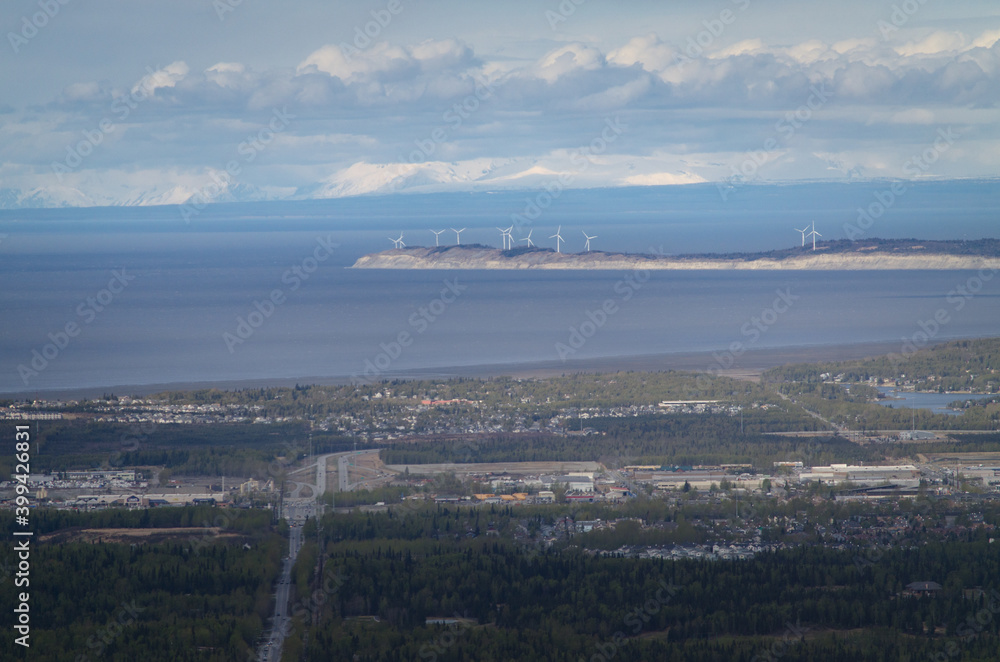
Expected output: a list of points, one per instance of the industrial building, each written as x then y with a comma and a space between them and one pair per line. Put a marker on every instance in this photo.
905, 475
989, 475
582, 482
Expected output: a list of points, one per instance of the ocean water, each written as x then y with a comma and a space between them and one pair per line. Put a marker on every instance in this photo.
934, 402
240, 294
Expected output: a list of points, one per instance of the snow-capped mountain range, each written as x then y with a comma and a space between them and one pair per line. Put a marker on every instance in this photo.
361, 178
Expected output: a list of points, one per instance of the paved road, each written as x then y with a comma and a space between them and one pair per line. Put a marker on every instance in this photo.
342, 465
270, 648
296, 510
296, 513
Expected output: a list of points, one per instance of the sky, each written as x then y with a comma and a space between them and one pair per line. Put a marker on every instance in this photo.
191, 101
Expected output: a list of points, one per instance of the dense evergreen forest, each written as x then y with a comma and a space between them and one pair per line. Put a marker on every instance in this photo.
195, 449
680, 439
399, 569
199, 595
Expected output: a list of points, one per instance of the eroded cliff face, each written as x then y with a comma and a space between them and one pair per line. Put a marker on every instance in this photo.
459, 257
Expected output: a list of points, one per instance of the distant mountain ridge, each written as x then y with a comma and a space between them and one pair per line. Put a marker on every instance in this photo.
359, 179
871, 254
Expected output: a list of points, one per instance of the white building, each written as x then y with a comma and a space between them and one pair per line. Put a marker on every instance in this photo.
905, 475
579, 483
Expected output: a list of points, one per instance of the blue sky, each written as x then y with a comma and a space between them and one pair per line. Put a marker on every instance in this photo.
114, 102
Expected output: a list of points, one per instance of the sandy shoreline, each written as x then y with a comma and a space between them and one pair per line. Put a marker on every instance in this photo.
492, 259
747, 366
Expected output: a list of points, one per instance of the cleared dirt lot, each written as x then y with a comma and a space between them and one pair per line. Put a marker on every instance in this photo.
132, 535
496, 467
986, 457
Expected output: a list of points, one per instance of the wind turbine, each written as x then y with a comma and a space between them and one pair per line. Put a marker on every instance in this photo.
458, 236
803, 231
528, 239
558, 238
399, 242
437, 237
503, 237
814, 234
587, 245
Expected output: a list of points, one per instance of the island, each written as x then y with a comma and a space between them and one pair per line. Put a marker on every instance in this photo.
836, 255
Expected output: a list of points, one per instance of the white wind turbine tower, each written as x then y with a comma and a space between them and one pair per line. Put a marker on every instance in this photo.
587, 245
803, 231
528, 239
814, 234
437, 237
399, 242
558, 238
503, 237
458, 236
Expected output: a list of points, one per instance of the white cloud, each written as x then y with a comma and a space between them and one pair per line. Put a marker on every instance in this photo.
442, 54
370, 108
168, 76
847, 46
934, 43
809, 52
746, 47
986, 39
648, 51
619, 96
380, 58
568, 59
227, 74
385, 58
